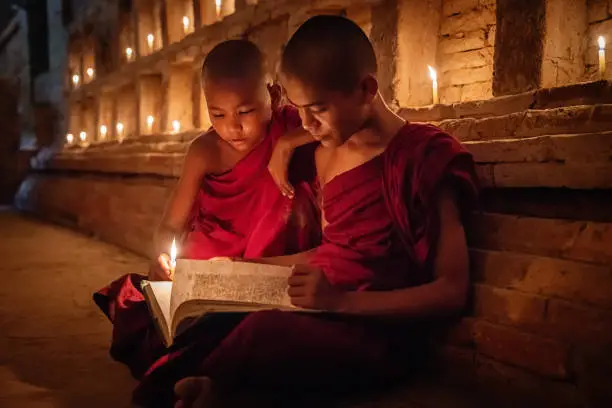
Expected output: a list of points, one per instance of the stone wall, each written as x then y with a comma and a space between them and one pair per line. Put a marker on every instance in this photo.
465, 51
600, 24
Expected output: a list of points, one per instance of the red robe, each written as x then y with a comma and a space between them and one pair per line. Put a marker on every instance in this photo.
239, 213
382, 233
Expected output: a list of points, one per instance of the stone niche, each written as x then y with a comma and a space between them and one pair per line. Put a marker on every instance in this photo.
127, 112
75, 119
180, 100
106, 124
150, 37
128, 44
74, 74
88, 119
211, 11
89, 60
151, 102
179, 19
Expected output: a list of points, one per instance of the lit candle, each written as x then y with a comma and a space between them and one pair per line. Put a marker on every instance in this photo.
83, 136
103, 131
150, 39
128, 53
602, 56
90, 72
434, 80
218, 7
69, 138
150, 121
120, 128
173, 252
176, 126
185, 24
76, 79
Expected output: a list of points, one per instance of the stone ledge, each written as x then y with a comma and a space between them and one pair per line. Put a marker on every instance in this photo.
588, 93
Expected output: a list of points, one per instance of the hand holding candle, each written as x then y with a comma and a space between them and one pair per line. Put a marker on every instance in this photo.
173, 258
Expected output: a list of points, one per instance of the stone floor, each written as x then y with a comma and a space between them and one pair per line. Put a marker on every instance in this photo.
53, 339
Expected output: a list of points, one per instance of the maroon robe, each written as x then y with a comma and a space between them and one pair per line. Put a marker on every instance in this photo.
240, 213
382, 233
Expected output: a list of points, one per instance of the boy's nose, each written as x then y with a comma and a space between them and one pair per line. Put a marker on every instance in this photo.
308, 121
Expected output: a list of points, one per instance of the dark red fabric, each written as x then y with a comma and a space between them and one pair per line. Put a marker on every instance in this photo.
240, 213
367, 208
382, 216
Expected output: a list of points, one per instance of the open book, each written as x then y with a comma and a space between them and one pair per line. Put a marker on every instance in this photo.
201, 287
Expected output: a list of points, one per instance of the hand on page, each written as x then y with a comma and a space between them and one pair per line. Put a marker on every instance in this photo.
309, 288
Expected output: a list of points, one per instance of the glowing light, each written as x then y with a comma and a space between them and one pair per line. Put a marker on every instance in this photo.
150, 121
76, 79
150, 39
103, 131
434, 86
176, 126
173, 252
120, 129
90, 72
83, 136
186, 24
69, 138
218, 7
129, 53
602, 56
601, 42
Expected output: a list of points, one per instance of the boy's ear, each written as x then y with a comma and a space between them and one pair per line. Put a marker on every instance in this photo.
276, 95
369, 87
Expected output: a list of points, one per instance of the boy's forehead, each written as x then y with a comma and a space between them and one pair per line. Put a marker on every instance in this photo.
301, 93
246, 87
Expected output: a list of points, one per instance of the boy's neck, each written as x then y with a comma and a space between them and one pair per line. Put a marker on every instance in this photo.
380, 128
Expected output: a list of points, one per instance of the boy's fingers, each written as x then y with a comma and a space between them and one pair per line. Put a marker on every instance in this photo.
299, 280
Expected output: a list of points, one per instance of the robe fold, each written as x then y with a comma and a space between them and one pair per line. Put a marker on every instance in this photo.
381, 234
240, 213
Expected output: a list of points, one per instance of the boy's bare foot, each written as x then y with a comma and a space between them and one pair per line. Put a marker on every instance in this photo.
194, 392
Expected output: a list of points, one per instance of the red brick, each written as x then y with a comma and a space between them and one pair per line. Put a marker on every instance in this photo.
575, 281
539, 354
508, 306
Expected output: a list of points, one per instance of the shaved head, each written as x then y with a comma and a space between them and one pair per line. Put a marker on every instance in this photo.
329, 52
234, 59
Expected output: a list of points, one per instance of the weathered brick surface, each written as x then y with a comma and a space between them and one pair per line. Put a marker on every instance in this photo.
539, 354
471, 21
572, 240
508, 306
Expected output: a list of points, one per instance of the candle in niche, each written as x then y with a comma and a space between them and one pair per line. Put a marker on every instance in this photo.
434, 84
103, 132
76, 79
129, 53
90, 73
69, 138
176, 126
150, 40
186, 24
83, 136
150, 121
218, 7
602, 56
120, 129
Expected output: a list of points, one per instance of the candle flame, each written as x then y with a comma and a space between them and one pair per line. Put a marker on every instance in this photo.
83, 136
70, 138
120, 128
150, 39
90, 72
218, 7
173, 253
186, 23
76, 79
432, 73
128, 53
176, 126
601, 42
150, 120
103, 131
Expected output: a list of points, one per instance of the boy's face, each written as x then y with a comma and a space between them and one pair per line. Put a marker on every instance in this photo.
239, 110
332, 117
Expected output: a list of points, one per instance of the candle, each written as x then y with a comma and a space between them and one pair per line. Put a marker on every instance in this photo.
434, 80
90, 72
602, 56
69, 138
218, 7
120, 128
173, 252
150, 39
83, 136
128, 53
185, 24
75, 79
176, 126
150, 121
103, 131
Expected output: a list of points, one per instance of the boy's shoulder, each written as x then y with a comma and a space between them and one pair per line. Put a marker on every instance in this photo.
204, 151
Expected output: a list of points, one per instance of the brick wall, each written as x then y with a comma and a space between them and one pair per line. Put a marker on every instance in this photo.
465, 50
600, 23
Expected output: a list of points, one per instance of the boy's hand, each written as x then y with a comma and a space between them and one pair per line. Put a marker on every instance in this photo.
161, 269
279, 166
310, 289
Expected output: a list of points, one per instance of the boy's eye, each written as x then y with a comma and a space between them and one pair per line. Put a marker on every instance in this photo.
246, 111
318, 109
218, 115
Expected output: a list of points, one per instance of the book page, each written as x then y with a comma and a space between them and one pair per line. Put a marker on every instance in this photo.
230, 282
162, 292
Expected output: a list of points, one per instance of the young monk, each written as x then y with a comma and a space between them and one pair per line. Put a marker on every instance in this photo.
394, 252
225, 202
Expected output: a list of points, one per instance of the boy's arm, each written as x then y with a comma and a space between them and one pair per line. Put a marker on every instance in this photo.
178, 207
446, 294
281, 156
